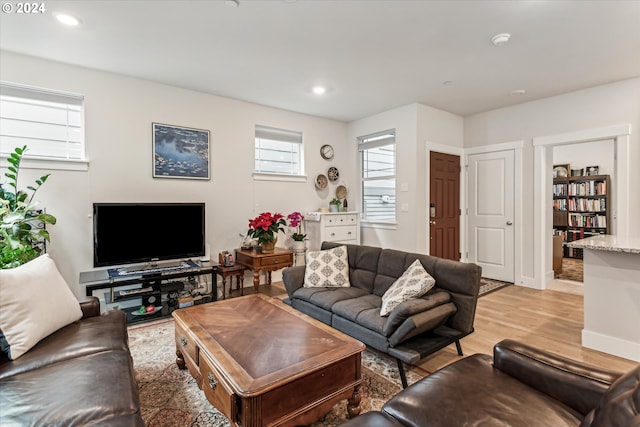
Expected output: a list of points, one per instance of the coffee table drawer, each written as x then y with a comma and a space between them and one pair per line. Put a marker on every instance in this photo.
217, 392
275, 260
186, 344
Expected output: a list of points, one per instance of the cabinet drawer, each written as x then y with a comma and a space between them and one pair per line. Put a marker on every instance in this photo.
186, 344
275, 260
342, 219
345, 232
217, 391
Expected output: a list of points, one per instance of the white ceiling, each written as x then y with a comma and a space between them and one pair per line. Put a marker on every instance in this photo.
372, 55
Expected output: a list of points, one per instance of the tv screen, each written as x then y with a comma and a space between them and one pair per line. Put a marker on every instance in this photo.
128, 233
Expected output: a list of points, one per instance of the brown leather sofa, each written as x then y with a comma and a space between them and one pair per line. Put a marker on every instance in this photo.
522, 387
81, 374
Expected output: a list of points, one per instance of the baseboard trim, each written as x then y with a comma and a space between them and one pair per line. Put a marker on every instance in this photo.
611, 345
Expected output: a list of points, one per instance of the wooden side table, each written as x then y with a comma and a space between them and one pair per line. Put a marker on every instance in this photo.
236, 271
279, 258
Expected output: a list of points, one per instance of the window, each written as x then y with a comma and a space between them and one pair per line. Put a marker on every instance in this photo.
50, 124
278, 151
378, 155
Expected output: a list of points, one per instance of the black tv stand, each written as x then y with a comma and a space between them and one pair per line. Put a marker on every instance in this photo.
151, 284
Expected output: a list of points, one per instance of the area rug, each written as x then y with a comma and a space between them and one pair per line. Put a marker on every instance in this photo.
170, 397
572, 269
489, 285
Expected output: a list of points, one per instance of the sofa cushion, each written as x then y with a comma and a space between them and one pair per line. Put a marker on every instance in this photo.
82, 391
412, 284
436, 400
36, 302
364, 310
88, 336
328, 268
327, 297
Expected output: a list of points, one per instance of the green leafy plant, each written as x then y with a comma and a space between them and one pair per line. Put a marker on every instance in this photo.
22, 232
335, 201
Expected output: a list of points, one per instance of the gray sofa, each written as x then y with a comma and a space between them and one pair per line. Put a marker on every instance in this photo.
415, 328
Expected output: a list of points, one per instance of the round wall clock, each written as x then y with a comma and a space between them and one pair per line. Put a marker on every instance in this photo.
333, 173
326, 151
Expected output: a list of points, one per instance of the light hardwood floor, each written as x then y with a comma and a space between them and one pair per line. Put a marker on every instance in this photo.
551, 319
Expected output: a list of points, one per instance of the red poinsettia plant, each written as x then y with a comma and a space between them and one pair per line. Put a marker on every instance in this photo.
295, 221
265, 227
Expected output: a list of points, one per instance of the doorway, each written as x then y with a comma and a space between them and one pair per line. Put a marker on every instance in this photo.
444, 205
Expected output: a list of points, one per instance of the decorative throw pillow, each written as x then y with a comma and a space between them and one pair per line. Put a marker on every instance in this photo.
329, 268
413, 283
35, 302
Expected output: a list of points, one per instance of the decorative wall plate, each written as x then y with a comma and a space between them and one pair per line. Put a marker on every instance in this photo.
333, 173
321, 181
341, 191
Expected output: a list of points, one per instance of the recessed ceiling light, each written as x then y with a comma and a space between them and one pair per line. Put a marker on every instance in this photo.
500, 39
447, 83
518, 92
232, 3
319, 90
69, 20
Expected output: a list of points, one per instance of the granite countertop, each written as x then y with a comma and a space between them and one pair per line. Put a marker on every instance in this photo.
609, 243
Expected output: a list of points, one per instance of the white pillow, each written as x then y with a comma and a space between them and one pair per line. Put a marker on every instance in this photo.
35, 301
413, 283
327, 269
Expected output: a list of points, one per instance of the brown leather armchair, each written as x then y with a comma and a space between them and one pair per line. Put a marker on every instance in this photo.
522, 386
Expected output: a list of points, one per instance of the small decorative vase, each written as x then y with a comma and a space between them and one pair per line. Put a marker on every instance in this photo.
268, 246
299, 245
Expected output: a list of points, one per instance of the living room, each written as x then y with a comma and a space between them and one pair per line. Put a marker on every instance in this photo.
120, 110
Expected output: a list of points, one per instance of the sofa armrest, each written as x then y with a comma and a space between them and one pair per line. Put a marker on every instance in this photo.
90, 306
576, 384
412, 307
293, 278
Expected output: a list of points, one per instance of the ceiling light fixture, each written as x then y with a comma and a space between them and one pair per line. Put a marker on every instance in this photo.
518, 92
500, 39
69, 20
232, 3
319, 90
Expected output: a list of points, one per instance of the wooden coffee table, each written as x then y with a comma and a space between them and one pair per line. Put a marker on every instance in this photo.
263, 363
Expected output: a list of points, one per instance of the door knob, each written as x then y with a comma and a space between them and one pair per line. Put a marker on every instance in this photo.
509, 223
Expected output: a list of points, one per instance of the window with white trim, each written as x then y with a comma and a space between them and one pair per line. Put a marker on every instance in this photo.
49, 123
278, 151
378, 176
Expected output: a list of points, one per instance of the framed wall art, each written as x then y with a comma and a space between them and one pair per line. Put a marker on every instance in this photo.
180, 152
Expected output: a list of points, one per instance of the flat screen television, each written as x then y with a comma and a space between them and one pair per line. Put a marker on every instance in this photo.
129, 233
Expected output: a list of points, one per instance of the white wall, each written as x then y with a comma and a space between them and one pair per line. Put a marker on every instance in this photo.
415, 126
119, 113
579, 156
602, 106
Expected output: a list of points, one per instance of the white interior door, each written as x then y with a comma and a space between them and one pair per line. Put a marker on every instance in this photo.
491, 214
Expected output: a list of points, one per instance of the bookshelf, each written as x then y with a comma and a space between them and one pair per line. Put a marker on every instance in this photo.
581, 209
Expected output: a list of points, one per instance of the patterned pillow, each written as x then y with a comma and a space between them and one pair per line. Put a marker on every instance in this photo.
413, 283
327, 269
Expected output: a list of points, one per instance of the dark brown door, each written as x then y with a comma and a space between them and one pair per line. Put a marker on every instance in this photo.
444, 212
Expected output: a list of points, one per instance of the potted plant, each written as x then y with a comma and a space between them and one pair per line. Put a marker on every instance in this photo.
335, 205
265, 228
295, 221
22, 232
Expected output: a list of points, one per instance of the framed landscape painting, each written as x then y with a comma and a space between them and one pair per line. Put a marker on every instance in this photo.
180, 152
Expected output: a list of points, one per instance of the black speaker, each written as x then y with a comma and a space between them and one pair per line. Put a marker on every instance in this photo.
153, 299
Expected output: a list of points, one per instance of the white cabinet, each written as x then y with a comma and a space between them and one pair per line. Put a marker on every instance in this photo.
342, 227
